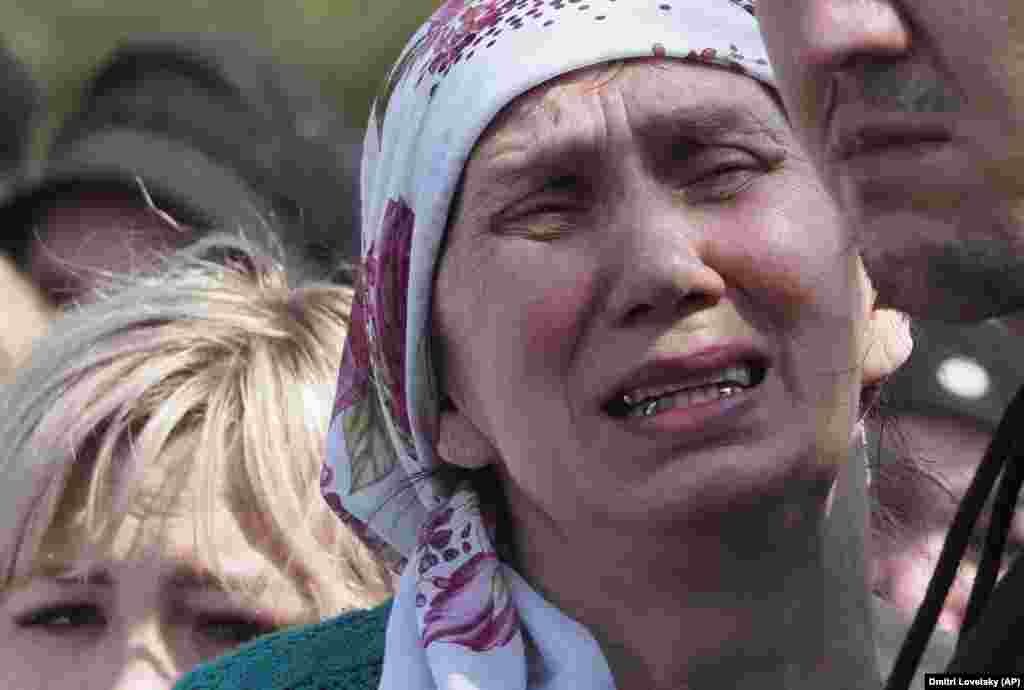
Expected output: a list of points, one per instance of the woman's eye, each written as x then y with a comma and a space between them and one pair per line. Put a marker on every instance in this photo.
722, 183
232, 630
540, 219
549, 212
62, 617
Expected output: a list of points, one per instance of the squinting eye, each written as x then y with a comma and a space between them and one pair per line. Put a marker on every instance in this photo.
722, 183
232, 630
546, 215
62, 617
563, 183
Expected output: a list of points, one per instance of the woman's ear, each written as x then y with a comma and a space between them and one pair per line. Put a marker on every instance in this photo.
888, 344
460, 442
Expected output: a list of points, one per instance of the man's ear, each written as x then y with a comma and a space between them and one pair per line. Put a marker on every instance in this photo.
460, 442
888, 344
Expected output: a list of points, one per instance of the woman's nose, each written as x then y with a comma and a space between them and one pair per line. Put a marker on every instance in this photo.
835, 34
661, 275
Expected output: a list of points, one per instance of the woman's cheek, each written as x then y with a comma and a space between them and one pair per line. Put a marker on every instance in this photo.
554, 315
551, 295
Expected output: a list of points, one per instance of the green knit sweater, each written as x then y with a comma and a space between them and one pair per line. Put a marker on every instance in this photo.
343, 653
347, 653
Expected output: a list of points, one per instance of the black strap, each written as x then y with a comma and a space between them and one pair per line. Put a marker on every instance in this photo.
995, 541
1005, 449
994, 644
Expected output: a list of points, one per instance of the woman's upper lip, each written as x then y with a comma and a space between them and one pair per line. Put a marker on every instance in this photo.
672, 369
856, 134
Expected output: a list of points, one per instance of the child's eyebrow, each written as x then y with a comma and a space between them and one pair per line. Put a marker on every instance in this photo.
188, 576
195, 577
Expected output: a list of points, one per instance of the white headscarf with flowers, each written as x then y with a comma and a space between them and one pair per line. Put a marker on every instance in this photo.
460, 615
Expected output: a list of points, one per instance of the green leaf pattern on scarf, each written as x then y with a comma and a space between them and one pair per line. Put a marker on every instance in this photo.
371, 452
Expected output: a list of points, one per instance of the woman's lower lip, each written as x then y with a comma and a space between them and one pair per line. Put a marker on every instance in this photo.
711, 417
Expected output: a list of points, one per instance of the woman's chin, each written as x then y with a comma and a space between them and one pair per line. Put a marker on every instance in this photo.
749, 480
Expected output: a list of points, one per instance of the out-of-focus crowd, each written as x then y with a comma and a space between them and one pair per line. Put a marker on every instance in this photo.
177, 278
176, 298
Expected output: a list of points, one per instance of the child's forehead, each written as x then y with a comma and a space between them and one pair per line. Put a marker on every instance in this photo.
169, 543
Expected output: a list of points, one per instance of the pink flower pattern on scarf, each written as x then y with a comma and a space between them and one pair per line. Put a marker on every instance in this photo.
465, 599
387, 277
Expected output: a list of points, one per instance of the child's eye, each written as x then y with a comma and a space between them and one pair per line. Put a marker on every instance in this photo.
62, 617
232, 630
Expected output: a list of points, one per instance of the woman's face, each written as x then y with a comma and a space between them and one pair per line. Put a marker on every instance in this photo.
145, 614
646, 309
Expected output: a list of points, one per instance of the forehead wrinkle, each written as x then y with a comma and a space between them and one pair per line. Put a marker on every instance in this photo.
538, 130
737, 105
568, 150
708, 122
537, 127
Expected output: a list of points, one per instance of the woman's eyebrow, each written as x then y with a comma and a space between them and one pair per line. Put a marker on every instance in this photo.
514, 160
516, 155
709, 122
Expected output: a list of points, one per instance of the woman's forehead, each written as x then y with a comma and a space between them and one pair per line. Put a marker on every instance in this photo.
667, 97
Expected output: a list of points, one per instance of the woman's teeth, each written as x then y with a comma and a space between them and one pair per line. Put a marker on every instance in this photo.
740, 375
685, 398
645, 402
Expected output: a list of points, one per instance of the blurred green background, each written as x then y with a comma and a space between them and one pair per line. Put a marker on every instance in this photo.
347, 45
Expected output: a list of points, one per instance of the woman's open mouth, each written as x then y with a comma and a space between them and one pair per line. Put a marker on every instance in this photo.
693, 392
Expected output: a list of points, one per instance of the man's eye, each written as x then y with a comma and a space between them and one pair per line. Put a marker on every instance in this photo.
62, 617
564, 183
232, 630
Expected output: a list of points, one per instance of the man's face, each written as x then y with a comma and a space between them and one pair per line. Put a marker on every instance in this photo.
81, 238
914, 113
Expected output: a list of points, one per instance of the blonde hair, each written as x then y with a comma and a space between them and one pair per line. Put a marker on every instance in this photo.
216, 371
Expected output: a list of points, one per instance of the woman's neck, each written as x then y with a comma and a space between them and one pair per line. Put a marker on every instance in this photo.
695, 607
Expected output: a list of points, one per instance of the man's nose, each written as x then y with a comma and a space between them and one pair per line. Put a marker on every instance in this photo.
837, 33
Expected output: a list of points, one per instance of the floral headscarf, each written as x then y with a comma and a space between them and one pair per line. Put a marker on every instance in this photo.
460, 613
